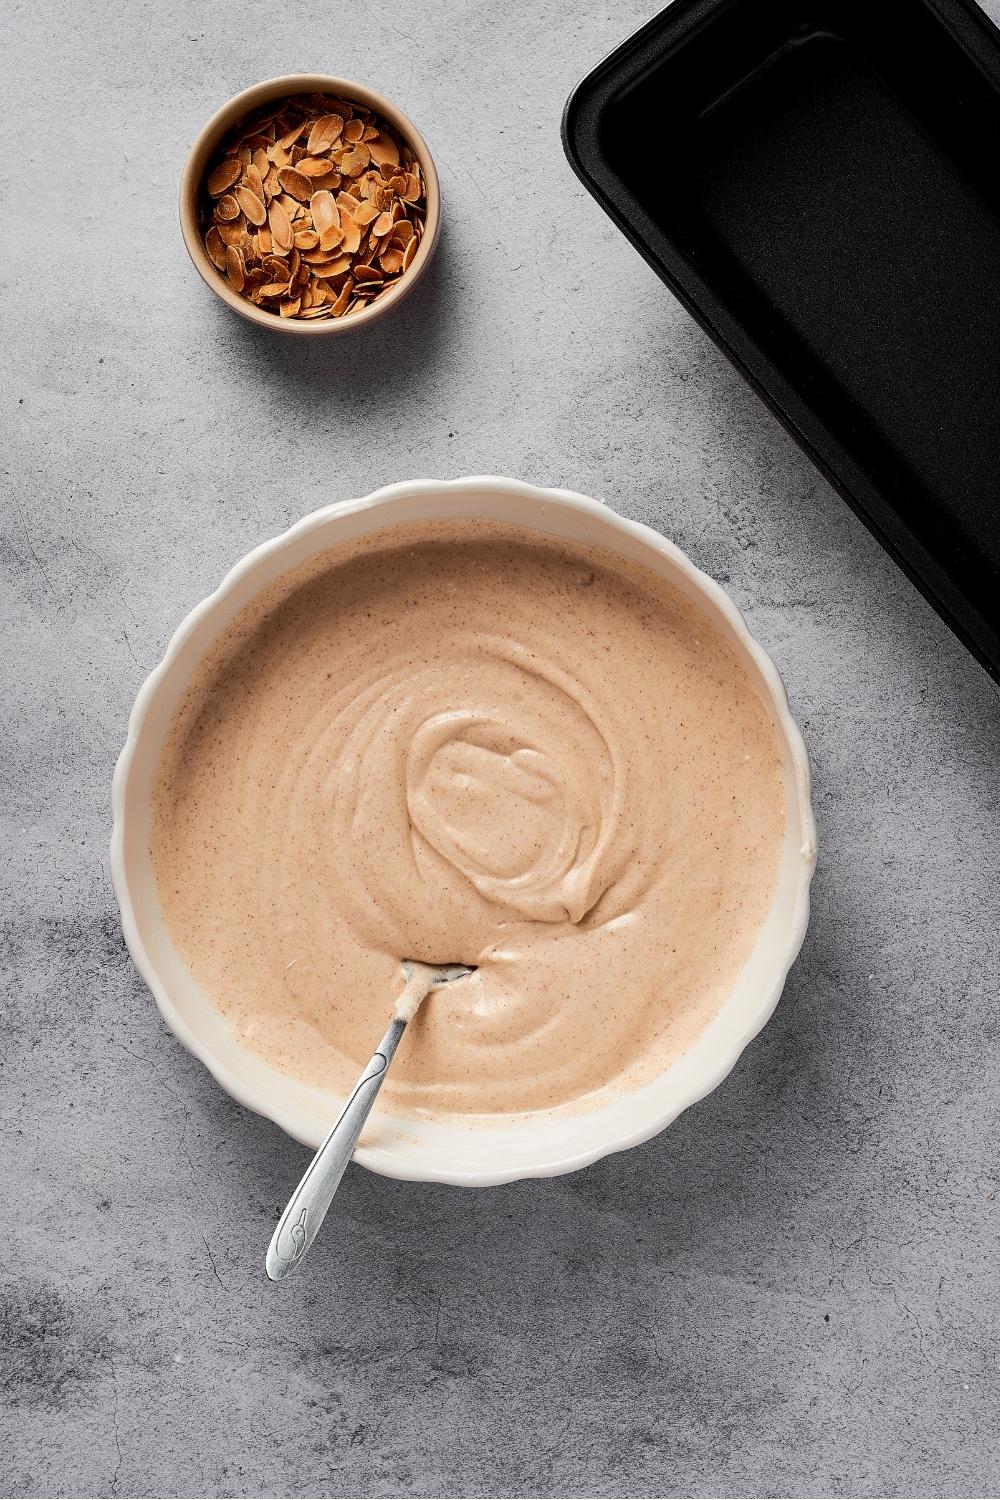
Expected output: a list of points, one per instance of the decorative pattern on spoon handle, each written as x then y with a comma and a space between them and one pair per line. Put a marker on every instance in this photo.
290, 1242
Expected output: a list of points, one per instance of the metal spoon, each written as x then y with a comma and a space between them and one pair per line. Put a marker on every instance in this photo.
299, 1224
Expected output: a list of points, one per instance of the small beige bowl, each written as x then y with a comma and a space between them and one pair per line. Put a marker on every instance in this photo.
224, 120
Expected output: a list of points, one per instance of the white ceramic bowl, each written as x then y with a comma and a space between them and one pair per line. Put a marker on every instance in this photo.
472, 1155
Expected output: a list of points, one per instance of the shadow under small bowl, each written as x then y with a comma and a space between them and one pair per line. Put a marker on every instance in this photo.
224, 121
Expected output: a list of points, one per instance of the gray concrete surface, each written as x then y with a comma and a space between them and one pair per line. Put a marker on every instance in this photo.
793, 1291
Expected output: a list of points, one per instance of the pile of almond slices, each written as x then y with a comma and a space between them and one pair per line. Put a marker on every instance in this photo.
313, 207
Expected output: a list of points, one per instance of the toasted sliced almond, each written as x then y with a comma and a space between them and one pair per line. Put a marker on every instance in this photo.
352, 235
384, 151
365, 213
354, 161
295, 182
402, 232
333, 268
313, 166
328, 184
324, 131
391, 261
354, 130
253, 180
216, 248
227, 208
306, 239
382, 225
223, 176
409, 253
366, 273
291, 135
280, 226
340, 306
233, 234
235, 269
251, 205
274, 289
325, 213
331, 239
289, 309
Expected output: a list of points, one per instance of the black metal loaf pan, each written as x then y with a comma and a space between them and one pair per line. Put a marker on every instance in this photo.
819, 183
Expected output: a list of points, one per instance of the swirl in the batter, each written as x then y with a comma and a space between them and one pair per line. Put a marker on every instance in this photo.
460, 796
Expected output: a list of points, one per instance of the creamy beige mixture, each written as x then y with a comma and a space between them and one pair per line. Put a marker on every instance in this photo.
459, 742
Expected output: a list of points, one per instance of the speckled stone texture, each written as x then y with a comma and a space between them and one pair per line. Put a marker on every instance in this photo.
793, 1291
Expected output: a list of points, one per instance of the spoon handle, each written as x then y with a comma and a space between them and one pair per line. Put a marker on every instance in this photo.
300, 1223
